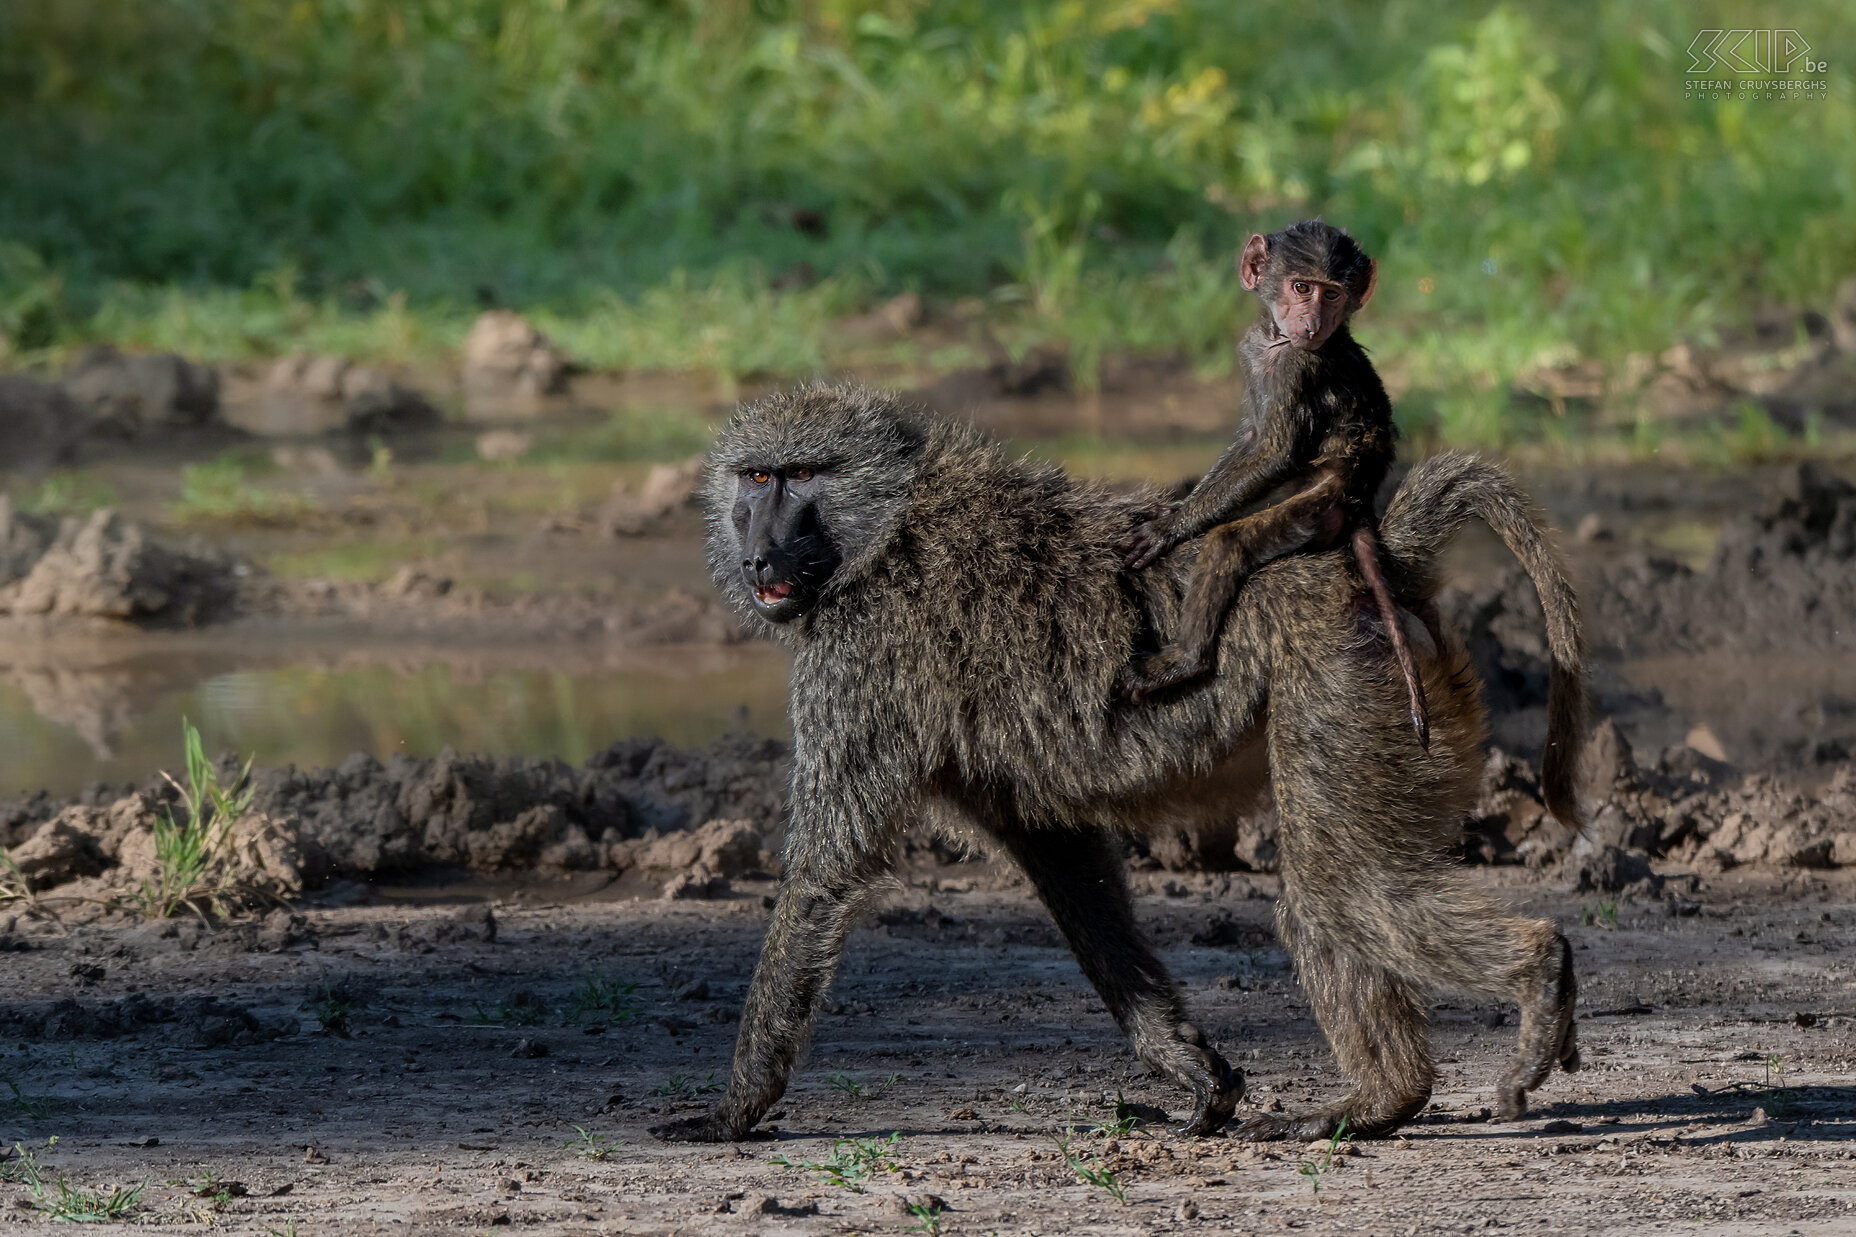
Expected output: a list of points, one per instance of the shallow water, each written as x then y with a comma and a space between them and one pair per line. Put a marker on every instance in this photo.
115, 715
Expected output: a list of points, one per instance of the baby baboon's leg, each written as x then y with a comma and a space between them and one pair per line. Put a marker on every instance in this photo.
1079, 876
1230, 553
804, 941
1375, 1023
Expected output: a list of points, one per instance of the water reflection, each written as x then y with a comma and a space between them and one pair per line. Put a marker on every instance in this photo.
71, 717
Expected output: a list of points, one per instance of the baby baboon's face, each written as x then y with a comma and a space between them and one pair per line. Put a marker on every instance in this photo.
787, 555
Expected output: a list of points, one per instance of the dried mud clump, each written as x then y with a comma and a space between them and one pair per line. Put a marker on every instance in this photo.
1684, 814
104, 566
1784, 577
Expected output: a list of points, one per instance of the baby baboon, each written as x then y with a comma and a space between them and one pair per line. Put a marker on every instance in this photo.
1317, 419
957, 619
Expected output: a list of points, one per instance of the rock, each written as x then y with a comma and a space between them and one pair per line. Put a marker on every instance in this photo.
58, 854
724, 847
308, 395
106, 567
509, 366
695, 885
140, 395
1609, 870
24, 538
1591, 528
1843, 315
498, 445
40, 425
667, 487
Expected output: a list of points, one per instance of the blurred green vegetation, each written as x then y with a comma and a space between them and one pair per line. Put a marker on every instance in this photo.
709, 184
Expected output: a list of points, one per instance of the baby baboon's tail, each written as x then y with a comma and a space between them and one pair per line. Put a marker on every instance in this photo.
1437, 498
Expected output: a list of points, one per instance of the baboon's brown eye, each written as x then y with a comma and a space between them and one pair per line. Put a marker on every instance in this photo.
1329, 294
758, 478
801, 474
1301, 289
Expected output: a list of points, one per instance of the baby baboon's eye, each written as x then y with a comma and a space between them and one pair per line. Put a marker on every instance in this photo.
1329, 294
1301, 288
801, 474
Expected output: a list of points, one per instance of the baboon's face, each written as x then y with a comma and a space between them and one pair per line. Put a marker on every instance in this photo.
787, 554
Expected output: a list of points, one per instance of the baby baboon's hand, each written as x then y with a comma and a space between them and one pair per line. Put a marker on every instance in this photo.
1150, 539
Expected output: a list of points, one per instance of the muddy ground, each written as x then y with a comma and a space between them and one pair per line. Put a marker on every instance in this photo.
387, 1068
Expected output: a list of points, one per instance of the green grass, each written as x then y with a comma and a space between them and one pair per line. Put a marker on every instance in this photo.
712, 186
188, 848
1316, 1168
853, 1162
220, 490
57, 1199
1090, 1171
587, 1145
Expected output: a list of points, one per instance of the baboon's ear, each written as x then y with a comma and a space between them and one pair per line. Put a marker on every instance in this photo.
1250, 262
1372, 282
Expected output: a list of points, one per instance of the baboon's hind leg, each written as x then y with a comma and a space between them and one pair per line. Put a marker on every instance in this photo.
1080, 879
1375, 1023
1549, 1036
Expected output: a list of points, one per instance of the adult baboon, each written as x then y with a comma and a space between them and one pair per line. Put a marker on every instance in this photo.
957, 620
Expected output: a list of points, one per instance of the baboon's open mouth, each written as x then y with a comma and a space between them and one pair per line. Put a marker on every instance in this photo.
772, 594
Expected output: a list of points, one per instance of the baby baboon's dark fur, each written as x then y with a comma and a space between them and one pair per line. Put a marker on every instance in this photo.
957, 620
1317, 421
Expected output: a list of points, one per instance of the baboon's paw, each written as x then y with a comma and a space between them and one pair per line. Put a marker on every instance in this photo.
1216, 1103
1511, 1102
711, 1127
1269, 1127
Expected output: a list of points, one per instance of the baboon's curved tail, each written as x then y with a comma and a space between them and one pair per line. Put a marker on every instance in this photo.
1437, 498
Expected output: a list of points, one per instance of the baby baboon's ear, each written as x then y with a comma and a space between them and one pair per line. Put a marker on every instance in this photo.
1372, 283
1250, 262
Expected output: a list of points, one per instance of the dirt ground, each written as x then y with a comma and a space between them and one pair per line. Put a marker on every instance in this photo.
383, 1068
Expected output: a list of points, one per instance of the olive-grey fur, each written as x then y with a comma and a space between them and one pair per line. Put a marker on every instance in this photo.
962, 657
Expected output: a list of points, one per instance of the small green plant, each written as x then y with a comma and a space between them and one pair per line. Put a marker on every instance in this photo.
1093, 1172
335, 1015
1775, 1064
76, 1205
842, 1081
587, 1145
219, 490
288, 1230
14, 887
1123, 1123
853, 1162
599, 997
1604, 915
35, 1107
59, 1199
927, 1218
1314, 1169
188, 850
69, 493
21, 1167
686, 1084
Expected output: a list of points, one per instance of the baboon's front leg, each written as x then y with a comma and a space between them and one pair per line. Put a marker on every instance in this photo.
1080, 878
802, 948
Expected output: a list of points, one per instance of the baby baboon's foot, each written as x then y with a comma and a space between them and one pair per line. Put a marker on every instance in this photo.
1510, 1102
710, 1127
1168, 668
